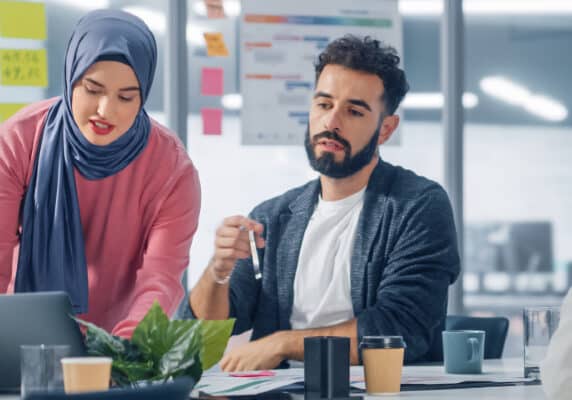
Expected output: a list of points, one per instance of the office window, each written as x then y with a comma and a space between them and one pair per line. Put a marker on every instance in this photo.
518, 224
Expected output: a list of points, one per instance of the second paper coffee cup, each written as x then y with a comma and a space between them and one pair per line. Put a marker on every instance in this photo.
86, 374
383, 362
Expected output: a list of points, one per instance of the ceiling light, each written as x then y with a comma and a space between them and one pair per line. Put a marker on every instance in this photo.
504, 89
546, 108
231, 8
86, 4
518, 7
420, 7
487, 7
434, 100
154, 19
423, 100
470, 100
517, 95
232, 101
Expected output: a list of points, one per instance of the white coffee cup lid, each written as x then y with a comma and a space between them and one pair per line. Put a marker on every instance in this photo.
87, 360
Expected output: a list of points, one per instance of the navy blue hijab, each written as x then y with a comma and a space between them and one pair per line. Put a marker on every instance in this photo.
52, 250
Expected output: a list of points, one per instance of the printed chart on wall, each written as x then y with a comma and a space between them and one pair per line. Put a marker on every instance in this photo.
280, 41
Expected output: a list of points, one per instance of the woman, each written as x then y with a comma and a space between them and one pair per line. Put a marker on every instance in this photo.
96, 199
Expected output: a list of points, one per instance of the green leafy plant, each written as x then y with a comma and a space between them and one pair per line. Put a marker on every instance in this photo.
160, 349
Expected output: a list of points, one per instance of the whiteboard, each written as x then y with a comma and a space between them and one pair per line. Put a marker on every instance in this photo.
280, 40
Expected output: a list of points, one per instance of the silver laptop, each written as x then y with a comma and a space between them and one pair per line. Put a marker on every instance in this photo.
33, 318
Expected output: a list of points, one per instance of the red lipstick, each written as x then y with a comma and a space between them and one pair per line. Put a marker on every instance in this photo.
100, 127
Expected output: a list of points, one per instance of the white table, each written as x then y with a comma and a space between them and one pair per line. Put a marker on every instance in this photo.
490, 393
532, 392
510, 365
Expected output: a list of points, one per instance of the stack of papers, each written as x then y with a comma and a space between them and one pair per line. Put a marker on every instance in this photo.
248, 384
256, 382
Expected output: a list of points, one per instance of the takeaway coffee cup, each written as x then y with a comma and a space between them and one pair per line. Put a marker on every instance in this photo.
86, 374
382, 361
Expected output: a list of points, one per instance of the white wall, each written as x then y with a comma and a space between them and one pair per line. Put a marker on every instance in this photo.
511, 173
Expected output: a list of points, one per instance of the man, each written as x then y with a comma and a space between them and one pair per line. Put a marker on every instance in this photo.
366, 249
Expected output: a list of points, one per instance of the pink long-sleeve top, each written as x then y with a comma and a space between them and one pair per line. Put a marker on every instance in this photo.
137, 224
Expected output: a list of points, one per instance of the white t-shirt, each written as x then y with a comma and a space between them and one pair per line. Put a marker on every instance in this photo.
322, 286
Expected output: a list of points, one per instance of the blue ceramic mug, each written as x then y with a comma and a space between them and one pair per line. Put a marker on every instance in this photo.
463, 351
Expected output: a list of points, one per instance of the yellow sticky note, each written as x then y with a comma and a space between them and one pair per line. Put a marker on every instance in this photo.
7, 110
23, 20
23, 67
215, 44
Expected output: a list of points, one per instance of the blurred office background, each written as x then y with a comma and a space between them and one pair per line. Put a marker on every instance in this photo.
517, 144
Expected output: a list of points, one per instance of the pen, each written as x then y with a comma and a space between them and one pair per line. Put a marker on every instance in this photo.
254, 251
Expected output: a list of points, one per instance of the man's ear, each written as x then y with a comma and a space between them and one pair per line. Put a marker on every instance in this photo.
388, 126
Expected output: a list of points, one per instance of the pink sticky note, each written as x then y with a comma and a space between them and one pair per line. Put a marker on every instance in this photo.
215, 8
212, 121
253, 374
212, 81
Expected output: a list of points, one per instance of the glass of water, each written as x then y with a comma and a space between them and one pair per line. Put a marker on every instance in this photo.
41, 368
540, 323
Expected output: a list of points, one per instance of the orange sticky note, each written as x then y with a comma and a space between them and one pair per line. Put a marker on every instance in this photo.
212, 121
212, 81
215, 9
215, 44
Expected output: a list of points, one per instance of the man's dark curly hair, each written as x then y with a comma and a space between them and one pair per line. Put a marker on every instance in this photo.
368, 55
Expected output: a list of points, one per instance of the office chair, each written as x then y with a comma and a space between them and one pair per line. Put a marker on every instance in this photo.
178, 389
496, 329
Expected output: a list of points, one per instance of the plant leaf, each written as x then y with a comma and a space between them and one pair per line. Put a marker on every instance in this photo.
174, 346
215, 335
100, 343
150, 335
185, 350
160, 349
132, 371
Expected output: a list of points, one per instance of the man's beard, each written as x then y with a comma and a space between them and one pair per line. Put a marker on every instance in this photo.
326, 163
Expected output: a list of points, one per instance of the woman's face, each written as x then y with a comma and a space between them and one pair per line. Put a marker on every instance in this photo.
105, 101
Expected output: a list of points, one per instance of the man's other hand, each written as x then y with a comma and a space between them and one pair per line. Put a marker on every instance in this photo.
265, 353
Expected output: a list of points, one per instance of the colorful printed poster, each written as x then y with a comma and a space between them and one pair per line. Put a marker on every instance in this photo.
280, 41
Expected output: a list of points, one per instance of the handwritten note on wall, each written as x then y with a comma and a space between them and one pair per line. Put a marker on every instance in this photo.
215, 44
19, 67
215, 8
